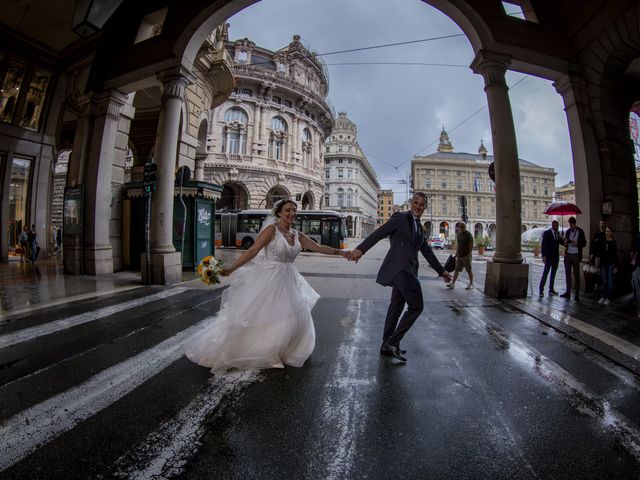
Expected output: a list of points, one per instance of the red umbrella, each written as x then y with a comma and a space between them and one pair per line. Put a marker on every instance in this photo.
562, 208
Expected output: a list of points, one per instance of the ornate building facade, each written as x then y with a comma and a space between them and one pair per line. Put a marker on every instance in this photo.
447, 176
265, 142
351, 185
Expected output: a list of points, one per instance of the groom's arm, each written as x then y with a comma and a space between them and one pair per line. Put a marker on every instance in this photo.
427, 252
381, 232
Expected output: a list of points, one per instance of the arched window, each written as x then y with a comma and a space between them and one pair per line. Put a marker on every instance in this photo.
349, 202
340, 197
277, 138
235, 131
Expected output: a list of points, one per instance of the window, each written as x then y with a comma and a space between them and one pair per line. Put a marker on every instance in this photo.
427, 183
340, 197
327, 149
341, 160
327, 173
18, 191
14, 92
242, 57
281, 67
235, 115
277, 100
339, 148
340, 173
349, 173
349, 202
246, 91
459, 184
234, 138
278, 124
326, 200
287, 104
277, 138
306, 135
444, 184
350, 160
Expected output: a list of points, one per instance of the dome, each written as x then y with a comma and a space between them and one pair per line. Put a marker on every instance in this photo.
344, 125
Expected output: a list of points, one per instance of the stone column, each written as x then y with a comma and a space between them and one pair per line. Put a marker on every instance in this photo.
295, 141
506, 276
166, 264
257, 124
584, 149
91, 164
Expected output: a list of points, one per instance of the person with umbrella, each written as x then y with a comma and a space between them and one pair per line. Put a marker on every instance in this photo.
551, 241
575, 241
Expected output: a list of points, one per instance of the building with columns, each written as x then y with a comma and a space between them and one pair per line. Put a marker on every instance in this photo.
265, 141
566, 192
447, 176
121, 82
351, 185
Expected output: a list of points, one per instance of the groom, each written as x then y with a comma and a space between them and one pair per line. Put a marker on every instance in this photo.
400, 271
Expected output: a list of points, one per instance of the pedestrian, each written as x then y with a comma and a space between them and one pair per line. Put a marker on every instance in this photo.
464, 249
23, 239
608, 265
265, 315
551, 241
59, 242
399, 270
52, 239
575, 241
595, 248
32, 240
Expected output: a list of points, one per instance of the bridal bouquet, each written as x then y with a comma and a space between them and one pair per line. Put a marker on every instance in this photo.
590, 269
209, 270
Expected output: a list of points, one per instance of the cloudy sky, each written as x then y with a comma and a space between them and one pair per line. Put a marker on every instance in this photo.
400, 109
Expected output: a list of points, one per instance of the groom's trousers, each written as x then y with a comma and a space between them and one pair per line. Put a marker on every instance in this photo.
406, 290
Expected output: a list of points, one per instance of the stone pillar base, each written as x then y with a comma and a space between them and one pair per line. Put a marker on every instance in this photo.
506, 280
98, 260
165, 269
72, 259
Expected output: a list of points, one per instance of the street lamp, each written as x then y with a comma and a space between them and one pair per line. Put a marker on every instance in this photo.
89, 16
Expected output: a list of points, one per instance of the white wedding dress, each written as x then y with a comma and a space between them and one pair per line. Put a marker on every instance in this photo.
265, 316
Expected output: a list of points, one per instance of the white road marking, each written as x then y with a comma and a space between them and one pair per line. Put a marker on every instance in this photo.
166, 451
590, 404
27, 334
36, 426
335, 434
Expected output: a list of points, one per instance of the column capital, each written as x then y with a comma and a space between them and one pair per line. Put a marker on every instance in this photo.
175, 82
107, 103
572, 86
492, 66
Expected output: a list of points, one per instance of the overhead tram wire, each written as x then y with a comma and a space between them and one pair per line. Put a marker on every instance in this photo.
360, 49
458, 125
399, 63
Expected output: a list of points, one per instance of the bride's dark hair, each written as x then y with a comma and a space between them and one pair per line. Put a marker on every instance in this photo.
280, 205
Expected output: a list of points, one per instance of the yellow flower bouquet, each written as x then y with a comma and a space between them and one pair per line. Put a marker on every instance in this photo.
209, 270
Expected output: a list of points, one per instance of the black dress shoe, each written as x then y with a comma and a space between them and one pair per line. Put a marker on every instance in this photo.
566, 295
541, 293
385, 352
393, 351
553, 292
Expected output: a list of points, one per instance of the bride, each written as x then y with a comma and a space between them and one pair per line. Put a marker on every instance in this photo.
265, 316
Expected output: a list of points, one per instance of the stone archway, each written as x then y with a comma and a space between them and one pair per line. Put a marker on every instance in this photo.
307, 201
478, 230
491, 233
444, 229
234, 197
276, 193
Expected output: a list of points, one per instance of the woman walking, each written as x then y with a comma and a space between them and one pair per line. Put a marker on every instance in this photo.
608, 265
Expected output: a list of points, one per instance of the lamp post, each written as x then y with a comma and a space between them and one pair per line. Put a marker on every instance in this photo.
89, 16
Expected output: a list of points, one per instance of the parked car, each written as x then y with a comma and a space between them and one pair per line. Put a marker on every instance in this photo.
436, 243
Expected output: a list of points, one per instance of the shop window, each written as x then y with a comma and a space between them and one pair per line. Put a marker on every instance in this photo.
19, 192
34, 103
11, 90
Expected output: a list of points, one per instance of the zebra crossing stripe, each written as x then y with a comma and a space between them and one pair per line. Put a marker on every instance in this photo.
165, 452
48, 328
36, 426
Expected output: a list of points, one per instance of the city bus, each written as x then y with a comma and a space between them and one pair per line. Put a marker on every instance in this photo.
241, 228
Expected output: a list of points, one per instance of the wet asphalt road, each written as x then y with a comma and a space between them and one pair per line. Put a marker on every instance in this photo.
487, 392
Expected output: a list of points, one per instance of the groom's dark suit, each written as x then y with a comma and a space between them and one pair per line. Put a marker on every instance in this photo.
400, 270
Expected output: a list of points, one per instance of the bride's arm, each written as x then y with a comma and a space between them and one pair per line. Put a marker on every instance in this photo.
308, 244
263, 239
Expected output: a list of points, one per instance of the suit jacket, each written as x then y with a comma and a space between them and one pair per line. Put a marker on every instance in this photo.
403, 254
550, 245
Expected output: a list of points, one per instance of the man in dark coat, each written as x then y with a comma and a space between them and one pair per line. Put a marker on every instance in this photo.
550, 256
400, 271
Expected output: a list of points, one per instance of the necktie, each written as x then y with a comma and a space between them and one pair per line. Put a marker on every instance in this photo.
417, 225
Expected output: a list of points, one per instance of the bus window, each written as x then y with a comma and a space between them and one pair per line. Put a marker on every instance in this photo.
249, 224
